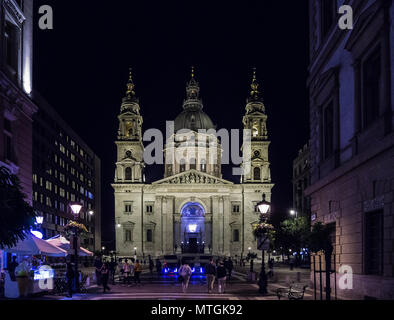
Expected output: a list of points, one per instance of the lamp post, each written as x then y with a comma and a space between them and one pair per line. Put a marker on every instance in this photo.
76, 209
263, 207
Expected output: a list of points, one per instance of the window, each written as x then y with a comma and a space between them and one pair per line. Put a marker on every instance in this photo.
149, 208
128, 175
328, 131
182, 166
236, 208
328, 10
149, 236
236, 235
371, 88
12, 40
128, 208
193, 164
374, 243
128, 236
203, 166
256, 174
35, 179
48, 185
62, 192
49, 202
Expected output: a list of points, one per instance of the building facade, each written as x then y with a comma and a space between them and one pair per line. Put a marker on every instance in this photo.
192, 209
65, 170
301, 181
16, 106
352, 141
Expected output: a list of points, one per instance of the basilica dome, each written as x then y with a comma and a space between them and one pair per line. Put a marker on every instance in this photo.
193, 119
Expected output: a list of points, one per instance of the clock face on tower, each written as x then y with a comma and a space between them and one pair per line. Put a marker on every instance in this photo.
257, 154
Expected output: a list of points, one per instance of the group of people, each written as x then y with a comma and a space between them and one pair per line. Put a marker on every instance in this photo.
212, 272
131, 271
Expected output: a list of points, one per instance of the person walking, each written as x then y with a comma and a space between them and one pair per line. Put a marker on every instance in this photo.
210, 272
222, 277
11, 268
230, 268
158, 268
137, 272
98, 264
105, 276
185, 273
70, 278
151, 265
271, 268
112, 268
126, 272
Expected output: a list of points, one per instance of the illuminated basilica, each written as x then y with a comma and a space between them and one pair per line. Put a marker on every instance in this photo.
192, 210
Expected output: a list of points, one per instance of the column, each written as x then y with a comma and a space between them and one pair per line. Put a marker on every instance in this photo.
215, 225
226, 225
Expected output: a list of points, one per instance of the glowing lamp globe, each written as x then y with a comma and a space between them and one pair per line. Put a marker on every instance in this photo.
76, 208
264, 206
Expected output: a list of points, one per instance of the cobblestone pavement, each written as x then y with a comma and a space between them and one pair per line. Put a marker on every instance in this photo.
169, 288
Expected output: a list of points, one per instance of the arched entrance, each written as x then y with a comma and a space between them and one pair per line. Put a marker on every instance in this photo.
193, 228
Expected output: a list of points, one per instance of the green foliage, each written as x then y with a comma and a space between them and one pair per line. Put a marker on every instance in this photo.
320, 238
293, 234
16, 215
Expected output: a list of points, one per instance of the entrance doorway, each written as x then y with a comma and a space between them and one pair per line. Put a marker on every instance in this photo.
192, 235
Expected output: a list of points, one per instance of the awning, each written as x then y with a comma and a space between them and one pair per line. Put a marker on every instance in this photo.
64, 244
35, 246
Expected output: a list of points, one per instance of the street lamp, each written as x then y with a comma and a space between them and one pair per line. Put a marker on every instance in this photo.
264, 207
294, 213
76, 209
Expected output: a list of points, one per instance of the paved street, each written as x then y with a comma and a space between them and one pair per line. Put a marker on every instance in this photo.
168, 288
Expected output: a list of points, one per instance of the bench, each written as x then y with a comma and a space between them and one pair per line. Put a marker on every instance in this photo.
292, 293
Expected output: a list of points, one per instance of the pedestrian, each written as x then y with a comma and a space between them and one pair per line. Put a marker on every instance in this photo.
230, 268
222, 277
137, 272
70, 278
291, 263
151, 265
158, 267
210, 272
11, 268
126, 272
98, 264
105, 276
271, 268
112, 268
185, 273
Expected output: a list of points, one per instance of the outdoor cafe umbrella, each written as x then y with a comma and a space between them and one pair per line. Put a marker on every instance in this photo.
35, 246
64, 244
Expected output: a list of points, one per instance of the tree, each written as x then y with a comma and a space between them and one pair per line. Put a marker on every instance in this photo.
320, 241
293, 235
16, 215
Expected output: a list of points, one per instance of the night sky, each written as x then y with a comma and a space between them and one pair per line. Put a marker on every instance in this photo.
81, 68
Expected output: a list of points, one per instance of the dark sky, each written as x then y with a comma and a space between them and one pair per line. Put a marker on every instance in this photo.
81, 68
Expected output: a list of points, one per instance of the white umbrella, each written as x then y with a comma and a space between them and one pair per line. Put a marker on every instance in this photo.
35, 246
64, 244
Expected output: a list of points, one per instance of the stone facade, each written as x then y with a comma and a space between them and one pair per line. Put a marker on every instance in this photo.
352, 141
192, 209
301, 181
16, 106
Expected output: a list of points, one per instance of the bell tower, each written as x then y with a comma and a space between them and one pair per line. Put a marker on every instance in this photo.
255, 120
130, 149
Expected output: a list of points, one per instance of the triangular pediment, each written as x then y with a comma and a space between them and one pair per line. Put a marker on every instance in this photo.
193, 177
